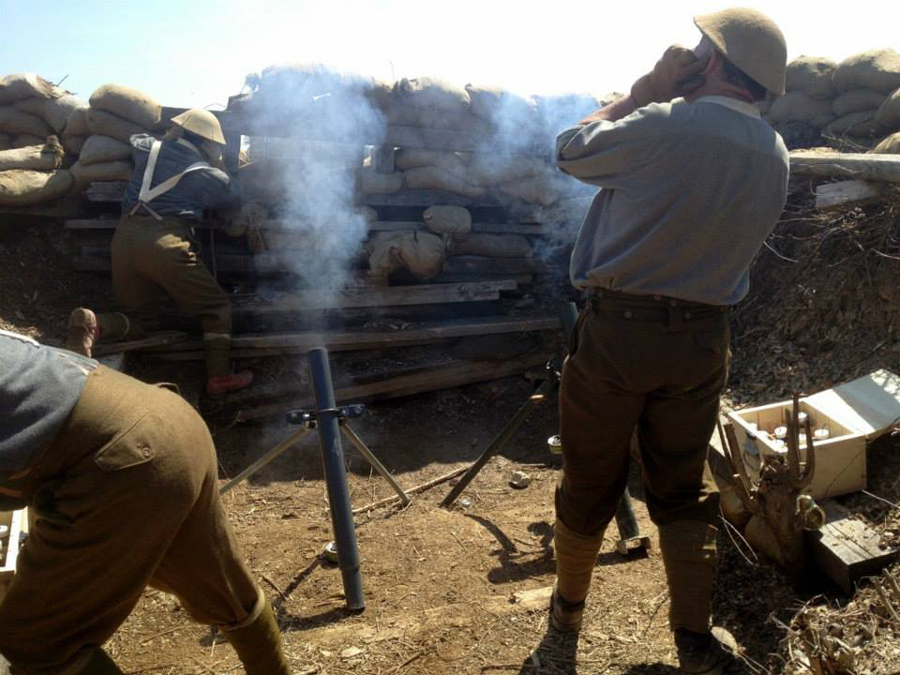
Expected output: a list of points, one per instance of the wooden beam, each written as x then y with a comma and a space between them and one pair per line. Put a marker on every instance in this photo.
473, 264
155, 340
396, 385
846, 548
359, 340
846, 165
426, 198
389, 296
835, 195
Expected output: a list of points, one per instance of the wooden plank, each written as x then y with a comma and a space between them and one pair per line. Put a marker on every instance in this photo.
472, 264
426, 198
846, 548
390, 296
436, 139
68, 207
834, 195
396, 385
337, 341
846, 165
155, 340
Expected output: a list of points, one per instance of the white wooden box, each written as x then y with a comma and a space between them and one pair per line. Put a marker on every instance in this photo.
17, 522
854, 413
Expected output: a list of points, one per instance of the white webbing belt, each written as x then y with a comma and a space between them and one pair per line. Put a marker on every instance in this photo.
147, 195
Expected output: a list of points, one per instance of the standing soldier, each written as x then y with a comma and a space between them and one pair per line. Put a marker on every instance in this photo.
691, 189
121, 477
174, 180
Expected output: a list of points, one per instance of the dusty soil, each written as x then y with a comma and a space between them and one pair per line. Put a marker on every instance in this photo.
460, 590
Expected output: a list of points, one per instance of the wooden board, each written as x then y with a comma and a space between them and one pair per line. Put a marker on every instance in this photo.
155, 340
846, 548
397, 384
426, 198
336, 341
846, 165
388, 296
472, 264
835, 195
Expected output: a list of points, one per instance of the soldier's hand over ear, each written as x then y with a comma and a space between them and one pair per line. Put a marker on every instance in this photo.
677, 73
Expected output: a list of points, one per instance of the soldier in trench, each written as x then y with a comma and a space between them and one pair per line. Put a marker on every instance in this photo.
121, 478
693, 180
175, 179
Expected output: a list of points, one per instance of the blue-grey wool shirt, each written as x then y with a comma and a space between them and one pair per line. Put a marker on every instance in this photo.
39, 387
196, 191
690, 192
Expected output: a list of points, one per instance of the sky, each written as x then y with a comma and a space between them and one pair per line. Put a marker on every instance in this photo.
196, 53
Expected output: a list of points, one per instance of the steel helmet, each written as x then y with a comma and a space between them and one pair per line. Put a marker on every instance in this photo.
751, 41
201, 122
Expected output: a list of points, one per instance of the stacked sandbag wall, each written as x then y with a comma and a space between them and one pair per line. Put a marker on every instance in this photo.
853, 105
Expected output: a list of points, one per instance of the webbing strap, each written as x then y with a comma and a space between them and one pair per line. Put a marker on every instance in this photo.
148, 194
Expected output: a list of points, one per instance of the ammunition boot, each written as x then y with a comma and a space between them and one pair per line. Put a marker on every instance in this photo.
258, 644
576, 556
705, 653
84, 331
100, 664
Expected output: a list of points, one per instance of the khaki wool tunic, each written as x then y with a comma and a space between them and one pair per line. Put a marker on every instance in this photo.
690, 192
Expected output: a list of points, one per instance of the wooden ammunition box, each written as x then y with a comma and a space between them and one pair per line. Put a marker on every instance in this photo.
854, 413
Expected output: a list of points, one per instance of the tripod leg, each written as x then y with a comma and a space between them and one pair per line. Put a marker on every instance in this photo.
265, 459
373, 460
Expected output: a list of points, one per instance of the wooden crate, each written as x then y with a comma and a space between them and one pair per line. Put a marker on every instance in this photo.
16, 521
854, 413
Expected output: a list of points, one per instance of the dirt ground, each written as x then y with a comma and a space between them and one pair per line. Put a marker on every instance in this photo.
460, 590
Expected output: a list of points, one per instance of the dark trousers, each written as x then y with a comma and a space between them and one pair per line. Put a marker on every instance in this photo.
656, 365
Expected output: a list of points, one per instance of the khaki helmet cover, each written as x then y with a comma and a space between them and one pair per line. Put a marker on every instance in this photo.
751, 41
201, 122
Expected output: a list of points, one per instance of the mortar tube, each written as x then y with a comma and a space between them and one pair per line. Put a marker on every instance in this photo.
336, 478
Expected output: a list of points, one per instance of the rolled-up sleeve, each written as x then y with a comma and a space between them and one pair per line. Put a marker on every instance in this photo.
601, 152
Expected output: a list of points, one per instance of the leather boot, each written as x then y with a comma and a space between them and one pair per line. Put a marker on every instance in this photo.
576, 556
258, 644
689, 553
100, 664
705, 653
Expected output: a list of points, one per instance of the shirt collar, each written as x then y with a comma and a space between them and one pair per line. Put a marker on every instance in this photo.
749, 109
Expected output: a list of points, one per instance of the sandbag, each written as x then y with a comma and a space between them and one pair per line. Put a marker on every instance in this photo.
796, 106
889, 145
127, 103
23, 187
435, 118
888, 115
492, 246
45, 157
455, 221
14, 121
438, 178
878, 69
77, 123
540, 190
855, 124
494, 169
856, 100
421, 253
27, 141
412, 158
54, 111
107, 124
5, 141
429, 92
373, 183
811, 75
822, 121
369, 214
18, 86
99, 148
83, 174
73, 144
495, 103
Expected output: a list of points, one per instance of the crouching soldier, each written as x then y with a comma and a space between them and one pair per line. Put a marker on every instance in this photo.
174, 180
121, 477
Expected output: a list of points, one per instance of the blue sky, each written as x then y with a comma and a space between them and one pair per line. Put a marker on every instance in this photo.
197, 52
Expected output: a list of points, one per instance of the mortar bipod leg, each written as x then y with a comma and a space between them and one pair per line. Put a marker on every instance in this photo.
265, 459
373, 460
630, 537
